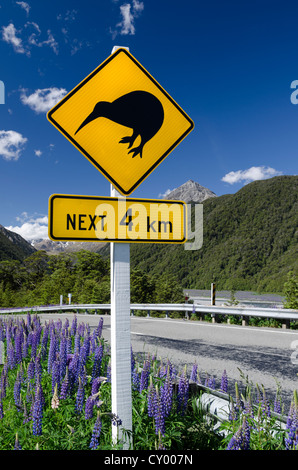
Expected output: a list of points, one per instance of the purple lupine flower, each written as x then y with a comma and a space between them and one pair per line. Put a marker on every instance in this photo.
159, 412
224, 382
97, 361
167, 393
65, 388
17, 392
80, 397
63, 357
182, 395
150, 399
265, 405
38, 368
73, 370
18, 346
11, 356
55, 374
292, 424
144, 376
116, 421
132, 359
73, 328
241, 439
194, 372
25, 345
52, 351
89, 407
44, 341
95, 385
96, 433
135, 379
99, 328
248, 407
37, 413
77, 343
235, 442
246, 434
30, 370
35, 341
109, 376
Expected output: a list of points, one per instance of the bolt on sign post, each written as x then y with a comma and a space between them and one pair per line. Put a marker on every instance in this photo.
122, 120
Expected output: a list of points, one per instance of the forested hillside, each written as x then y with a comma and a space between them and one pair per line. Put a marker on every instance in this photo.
250, 241
41, 278
13, 246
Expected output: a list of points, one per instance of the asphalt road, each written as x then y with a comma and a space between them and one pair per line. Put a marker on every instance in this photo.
266, 356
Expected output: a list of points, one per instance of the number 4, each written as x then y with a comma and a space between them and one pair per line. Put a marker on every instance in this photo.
127, 215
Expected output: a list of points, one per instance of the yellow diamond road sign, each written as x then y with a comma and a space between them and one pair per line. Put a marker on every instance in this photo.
112, 219
121, 120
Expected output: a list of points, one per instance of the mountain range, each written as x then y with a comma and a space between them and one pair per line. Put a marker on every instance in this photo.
249, 239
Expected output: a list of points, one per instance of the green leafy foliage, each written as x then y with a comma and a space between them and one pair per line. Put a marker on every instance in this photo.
42, 278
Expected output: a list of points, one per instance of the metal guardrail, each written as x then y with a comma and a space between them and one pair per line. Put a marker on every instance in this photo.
286, 315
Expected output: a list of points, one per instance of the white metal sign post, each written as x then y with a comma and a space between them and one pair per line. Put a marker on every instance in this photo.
120, 337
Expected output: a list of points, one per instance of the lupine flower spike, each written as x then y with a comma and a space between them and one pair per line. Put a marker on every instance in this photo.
55, 399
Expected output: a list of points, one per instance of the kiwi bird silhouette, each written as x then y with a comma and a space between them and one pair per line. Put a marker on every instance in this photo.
139, 110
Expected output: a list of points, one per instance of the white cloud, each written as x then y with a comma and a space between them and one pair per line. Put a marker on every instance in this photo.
34, 40
251, 174
11, 144
23, 45
163, 195
70, 15
38, 153
127, 26
25, 6
9, 35
31, 228
129, 12
42, 100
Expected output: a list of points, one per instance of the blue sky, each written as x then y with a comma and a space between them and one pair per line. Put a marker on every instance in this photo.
229, 64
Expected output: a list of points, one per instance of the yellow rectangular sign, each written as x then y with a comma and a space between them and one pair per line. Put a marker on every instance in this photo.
112, 219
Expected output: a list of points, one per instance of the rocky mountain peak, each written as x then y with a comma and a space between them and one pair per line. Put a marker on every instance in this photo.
191, 191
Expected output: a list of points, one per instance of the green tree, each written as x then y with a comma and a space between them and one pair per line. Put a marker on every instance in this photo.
36, 266
12, 274
291, 291
168, 290
90, 265
142, 287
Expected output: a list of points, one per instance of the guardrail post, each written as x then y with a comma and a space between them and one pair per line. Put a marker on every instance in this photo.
148, 313
285, 323
244, 320
213, 317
